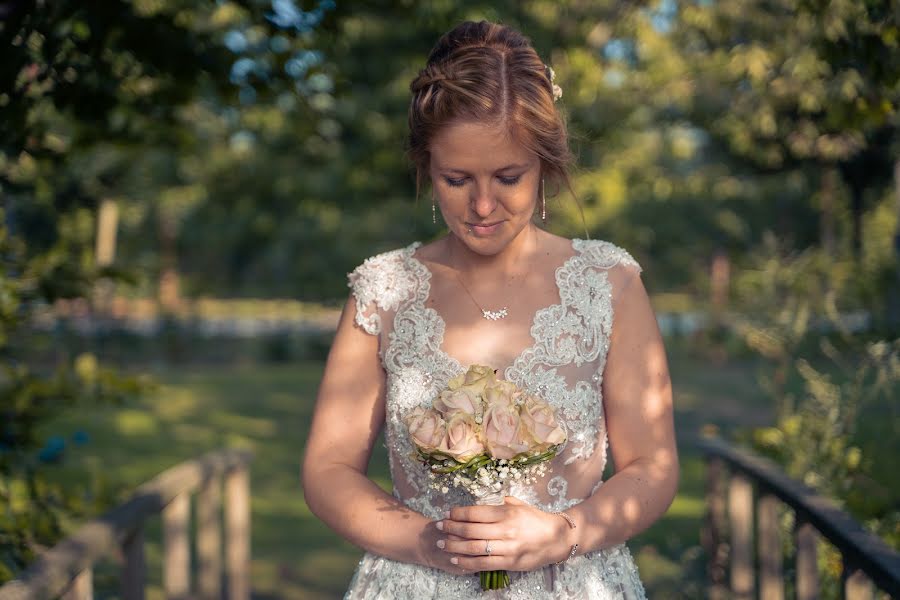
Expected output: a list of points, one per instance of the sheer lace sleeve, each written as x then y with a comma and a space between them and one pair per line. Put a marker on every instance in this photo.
379, 285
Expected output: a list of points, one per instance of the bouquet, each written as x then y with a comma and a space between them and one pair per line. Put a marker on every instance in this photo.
484, 434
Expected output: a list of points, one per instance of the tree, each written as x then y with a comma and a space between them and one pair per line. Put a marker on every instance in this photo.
90, 97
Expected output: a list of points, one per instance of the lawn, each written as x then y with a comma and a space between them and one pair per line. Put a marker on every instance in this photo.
267, 409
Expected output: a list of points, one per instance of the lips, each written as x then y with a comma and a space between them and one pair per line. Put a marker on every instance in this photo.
484, 228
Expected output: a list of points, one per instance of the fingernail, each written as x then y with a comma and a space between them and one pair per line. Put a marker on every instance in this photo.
440, 525
446, 514
454, 560
441, 544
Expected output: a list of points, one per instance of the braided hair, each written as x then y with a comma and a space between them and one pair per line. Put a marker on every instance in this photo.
488, 73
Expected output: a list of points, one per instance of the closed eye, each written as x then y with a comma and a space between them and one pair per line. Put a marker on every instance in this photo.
510, 180
455, 182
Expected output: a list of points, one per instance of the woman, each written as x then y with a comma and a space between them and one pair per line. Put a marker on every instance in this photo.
568, 320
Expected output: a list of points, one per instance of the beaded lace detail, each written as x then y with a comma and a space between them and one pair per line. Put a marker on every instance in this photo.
564, 364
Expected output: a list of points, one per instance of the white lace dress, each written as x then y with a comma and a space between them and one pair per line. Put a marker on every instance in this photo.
562, 360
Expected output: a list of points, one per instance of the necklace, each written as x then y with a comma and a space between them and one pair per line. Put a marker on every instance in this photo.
490, 315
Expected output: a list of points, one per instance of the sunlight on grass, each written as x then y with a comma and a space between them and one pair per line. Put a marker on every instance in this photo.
188, 432
653, 565
175, 403
254, 426
135, 423
686, 506
267, 409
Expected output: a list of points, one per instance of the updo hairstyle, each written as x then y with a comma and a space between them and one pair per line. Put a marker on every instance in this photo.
488, 73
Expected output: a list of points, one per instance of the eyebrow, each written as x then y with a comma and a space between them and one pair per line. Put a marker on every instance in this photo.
512, 167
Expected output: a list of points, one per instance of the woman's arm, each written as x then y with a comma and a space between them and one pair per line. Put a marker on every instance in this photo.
637, 396
348, 416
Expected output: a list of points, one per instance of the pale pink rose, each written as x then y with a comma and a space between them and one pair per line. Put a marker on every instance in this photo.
463, 442
501, 392
540, 422
459, 400
475, 379
427, 429
503, 432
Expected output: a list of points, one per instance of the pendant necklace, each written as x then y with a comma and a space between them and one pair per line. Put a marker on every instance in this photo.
490, 315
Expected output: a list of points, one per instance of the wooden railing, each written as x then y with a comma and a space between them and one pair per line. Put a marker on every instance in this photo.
67, 569
732, 475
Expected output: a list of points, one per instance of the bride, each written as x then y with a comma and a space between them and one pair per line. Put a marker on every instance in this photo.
567, 320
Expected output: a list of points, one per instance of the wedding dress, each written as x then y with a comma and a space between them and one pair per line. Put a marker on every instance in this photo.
558, 352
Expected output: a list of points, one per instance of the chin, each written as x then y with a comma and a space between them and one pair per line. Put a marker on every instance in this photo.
485, 245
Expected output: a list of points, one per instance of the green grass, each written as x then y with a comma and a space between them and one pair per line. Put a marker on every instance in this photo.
268, 408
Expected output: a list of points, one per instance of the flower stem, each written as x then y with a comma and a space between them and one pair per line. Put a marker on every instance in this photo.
494, 580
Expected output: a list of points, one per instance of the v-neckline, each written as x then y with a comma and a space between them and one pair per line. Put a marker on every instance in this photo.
456, 365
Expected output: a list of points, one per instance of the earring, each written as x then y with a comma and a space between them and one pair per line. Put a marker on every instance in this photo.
433, 211
543, 203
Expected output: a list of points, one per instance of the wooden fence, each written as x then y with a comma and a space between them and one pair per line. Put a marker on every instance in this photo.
67, 569
732, 506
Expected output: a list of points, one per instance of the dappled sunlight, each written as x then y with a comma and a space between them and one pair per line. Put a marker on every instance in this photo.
130, 422
686, 506
194, 434
175, 403
187, 203
249, 426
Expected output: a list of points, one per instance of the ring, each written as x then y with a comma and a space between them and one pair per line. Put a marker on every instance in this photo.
487, 547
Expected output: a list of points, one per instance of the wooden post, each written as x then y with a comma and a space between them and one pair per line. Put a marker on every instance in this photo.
237, 533
713, 531
176, 548
134, 573
856, 585
771, 579
740, 521
807, 565
82, 587
209, 539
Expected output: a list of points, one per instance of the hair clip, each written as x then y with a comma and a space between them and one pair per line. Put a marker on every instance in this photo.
557, 91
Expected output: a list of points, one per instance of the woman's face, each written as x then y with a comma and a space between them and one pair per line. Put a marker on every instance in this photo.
485, 183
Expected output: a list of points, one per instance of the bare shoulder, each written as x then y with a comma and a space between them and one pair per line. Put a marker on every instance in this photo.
554, 249
434, 252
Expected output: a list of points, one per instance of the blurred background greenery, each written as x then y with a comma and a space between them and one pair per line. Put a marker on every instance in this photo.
186, 183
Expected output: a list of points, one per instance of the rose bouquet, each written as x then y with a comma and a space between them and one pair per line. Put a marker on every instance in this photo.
484, 434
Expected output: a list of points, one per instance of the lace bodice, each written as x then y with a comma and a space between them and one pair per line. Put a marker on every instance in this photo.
563, 364
559, 354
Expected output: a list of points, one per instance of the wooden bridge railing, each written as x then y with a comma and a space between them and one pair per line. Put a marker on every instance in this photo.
67, 569
732, 475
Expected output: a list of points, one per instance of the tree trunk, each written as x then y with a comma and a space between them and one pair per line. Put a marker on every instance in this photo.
856, 208
169, 292
892, 305
105, 252
826, 207
720, 280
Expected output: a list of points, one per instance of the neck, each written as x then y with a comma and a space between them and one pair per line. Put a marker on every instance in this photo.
508, 262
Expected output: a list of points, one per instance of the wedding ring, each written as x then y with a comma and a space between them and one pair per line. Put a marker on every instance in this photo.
487, 547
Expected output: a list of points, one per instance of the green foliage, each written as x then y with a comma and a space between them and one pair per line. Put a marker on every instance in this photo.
834, 388
80, 90
35, 507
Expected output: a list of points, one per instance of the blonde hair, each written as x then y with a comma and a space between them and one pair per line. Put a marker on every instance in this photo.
488, 73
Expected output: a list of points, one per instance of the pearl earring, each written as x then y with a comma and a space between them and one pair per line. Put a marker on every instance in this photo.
433, 211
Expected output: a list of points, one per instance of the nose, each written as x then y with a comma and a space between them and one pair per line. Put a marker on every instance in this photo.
483, 201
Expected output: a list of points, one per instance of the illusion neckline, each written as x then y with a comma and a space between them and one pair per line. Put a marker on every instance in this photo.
442, 324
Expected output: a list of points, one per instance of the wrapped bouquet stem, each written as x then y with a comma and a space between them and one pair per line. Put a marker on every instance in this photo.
493, 580
485, 435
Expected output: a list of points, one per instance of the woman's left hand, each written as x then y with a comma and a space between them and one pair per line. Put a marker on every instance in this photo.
521, 537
